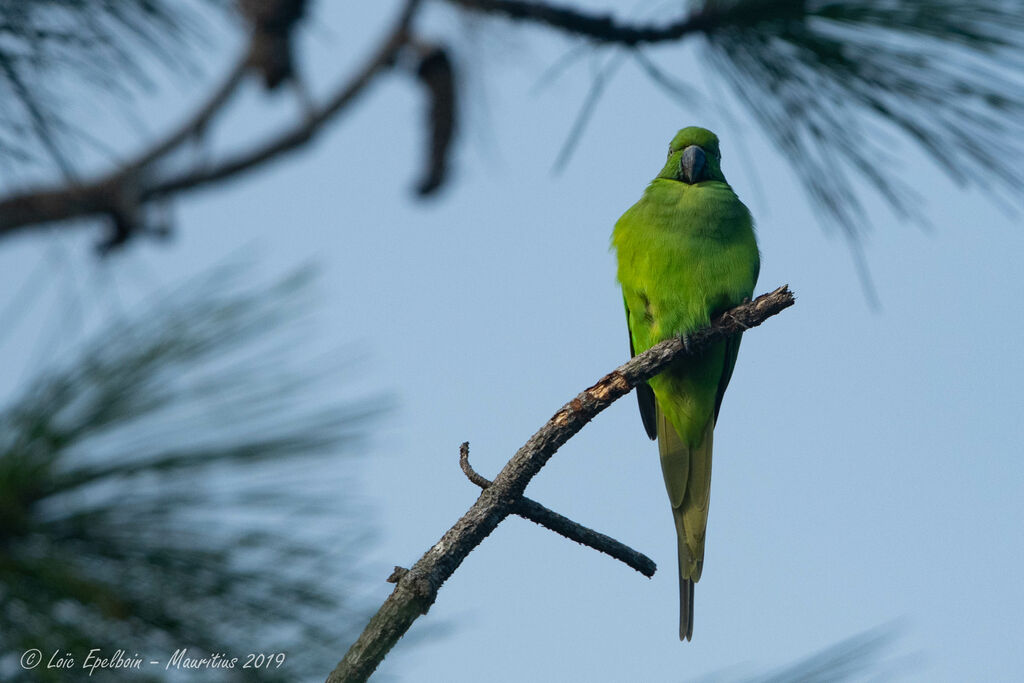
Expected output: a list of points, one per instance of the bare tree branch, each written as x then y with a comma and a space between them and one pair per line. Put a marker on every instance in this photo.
563, 526
604, 28
471, 474
600, 28
299, 134
138, 179
416, 589
199, 121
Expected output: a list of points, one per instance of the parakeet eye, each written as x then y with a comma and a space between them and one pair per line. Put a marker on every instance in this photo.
669, 152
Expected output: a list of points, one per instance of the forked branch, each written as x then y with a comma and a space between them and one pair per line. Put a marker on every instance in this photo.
416, 589
563, 526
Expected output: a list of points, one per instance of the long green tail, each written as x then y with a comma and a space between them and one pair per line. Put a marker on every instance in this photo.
687, 473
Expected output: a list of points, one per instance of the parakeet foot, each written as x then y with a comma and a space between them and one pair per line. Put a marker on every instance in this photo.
687, 343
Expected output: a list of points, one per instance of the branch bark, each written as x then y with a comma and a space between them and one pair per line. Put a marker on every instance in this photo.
563, 526
416, 589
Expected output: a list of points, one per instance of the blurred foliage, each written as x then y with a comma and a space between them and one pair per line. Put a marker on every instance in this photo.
858, 658
836, 83
863, 657
104, 45
840, 86
166, 490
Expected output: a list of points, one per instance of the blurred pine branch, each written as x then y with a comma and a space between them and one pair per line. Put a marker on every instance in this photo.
102, 45
840, 86
857, 658
161, 492
853, 93
835, 84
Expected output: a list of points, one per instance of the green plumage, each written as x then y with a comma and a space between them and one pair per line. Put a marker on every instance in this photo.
686, 252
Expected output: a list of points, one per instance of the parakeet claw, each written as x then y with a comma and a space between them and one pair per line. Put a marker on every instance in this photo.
687, 341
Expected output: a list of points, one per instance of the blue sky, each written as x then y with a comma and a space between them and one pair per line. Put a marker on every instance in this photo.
867, 462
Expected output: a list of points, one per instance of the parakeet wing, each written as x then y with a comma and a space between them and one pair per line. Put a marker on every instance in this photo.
732, 349
645, 395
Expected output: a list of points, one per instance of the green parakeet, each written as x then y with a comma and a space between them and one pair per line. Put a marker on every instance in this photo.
686, 252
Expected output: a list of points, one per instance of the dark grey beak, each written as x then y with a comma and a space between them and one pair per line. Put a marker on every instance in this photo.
691, 165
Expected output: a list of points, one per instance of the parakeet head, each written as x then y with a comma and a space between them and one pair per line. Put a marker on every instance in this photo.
693, 157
